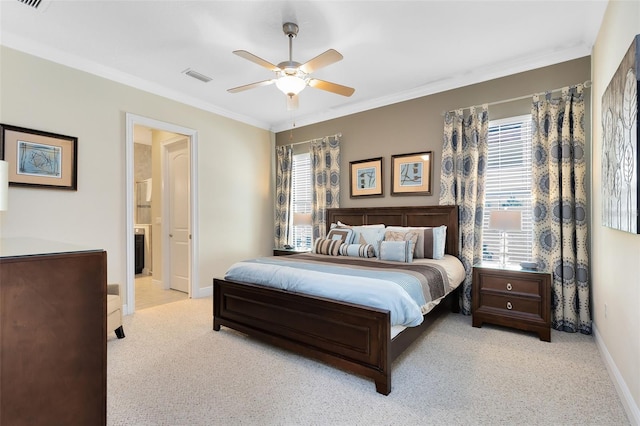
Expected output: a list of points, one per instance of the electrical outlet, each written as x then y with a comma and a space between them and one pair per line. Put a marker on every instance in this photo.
605, 310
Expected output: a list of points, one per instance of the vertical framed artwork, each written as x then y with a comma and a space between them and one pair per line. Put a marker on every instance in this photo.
620, 155
411, 173
39, 159
365, 178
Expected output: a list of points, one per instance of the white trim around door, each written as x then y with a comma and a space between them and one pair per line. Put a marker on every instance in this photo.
131, 121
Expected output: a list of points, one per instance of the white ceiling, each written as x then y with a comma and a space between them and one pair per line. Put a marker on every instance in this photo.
393, 50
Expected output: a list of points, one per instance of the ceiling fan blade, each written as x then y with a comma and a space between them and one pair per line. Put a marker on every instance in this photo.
256, 60
292, 102
322, 60
331, 87
250, 86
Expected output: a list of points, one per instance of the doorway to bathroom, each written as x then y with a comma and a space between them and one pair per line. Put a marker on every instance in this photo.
160, 213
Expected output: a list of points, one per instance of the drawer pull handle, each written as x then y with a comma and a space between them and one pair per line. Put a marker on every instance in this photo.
509, 305
509, 286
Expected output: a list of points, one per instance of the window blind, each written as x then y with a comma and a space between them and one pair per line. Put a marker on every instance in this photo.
508, 186
301, 197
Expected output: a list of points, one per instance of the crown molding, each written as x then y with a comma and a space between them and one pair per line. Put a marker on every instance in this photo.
63, 58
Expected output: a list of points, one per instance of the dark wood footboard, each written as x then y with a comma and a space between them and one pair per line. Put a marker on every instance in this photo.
350, 337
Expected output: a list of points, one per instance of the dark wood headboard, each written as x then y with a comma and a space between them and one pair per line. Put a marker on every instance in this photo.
402, 216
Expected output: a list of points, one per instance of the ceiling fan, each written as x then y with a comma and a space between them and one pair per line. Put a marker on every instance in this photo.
291, 76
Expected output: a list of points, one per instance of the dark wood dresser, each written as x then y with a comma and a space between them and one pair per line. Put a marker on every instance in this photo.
513, 297
53, 353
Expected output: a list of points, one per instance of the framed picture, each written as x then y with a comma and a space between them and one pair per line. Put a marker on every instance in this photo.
365, 178
411, 174
39, 159
620, 157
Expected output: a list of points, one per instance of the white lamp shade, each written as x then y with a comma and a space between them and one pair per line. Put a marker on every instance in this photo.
290, 84
302, 219
4, 185
505, 220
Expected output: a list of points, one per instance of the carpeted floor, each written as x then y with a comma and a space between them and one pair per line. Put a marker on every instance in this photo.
172, 369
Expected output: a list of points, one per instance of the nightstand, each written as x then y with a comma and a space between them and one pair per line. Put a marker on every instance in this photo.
513, 297
289, 252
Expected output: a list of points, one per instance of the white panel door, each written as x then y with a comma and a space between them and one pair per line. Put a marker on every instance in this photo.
179, 227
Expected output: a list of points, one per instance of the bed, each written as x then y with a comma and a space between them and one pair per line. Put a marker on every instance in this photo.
352, 337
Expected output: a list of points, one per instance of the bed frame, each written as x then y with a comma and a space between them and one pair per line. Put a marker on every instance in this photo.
352, 337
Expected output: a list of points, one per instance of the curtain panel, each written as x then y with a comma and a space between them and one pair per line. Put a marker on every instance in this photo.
325, 173
560, 205
462, 183
284, 161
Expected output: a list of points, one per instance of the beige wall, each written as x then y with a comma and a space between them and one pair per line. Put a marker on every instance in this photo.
232, 158
615, 254
417, 125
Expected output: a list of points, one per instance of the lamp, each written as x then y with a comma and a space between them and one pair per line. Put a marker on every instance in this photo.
4, 185
291, 82
505, 220
302, 219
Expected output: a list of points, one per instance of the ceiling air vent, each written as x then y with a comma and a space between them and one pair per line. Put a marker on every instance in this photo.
32, 3
197, 75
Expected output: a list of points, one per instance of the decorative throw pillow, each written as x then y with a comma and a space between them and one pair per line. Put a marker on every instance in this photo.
369, 235
343, 234
431, 241
357, 250
396, 251
363, 234
404, 235
326, 246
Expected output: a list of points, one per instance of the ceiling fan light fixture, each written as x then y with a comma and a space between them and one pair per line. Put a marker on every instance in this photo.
291, 85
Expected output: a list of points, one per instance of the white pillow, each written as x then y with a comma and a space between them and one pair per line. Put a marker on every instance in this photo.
368, 234
364, 234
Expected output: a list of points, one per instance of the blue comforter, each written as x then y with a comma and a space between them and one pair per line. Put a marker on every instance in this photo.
402, 289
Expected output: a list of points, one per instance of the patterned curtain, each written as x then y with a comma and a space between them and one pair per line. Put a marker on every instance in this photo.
325, 171
284, 161
464, 162
560, 205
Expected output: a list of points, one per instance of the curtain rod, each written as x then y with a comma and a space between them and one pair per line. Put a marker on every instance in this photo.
586, 85
330, 136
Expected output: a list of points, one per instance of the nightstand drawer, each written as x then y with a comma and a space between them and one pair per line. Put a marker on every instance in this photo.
512, 285
511, 304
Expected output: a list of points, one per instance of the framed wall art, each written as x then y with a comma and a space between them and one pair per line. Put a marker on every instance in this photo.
365, 178
39, 159
411, 173
620, 157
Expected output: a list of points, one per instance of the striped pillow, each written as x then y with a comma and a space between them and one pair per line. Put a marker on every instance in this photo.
357, 250
326, 246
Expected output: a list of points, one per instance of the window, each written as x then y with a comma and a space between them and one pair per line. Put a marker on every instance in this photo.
301, 198
508, 186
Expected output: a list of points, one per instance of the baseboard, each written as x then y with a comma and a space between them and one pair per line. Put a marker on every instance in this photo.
630, 406
203, 292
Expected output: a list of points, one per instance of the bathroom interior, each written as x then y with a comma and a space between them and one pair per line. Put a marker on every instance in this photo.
149, 291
